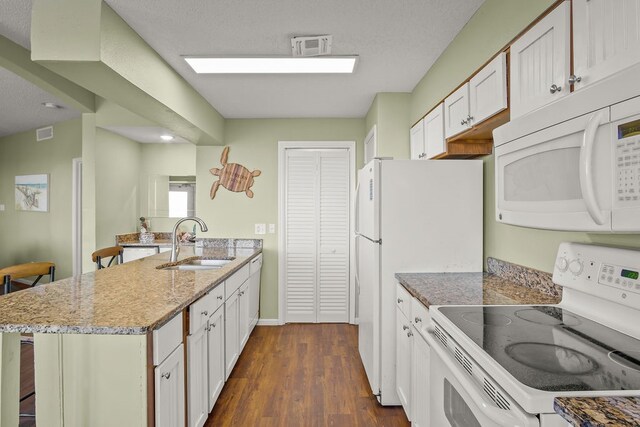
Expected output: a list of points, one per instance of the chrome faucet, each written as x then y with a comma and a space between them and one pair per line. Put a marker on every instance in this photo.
175, 245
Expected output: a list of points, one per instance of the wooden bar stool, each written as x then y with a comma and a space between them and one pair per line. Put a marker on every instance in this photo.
113, 252
27, 270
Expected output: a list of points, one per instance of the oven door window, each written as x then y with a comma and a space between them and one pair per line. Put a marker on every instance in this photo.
456, 409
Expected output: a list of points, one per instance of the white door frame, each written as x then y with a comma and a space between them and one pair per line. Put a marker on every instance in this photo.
76, 216
283, 146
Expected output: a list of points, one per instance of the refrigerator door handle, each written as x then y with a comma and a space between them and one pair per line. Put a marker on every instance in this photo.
356, 207
357, 265
379, 241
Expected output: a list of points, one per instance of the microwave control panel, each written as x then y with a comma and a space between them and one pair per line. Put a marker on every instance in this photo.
627, 191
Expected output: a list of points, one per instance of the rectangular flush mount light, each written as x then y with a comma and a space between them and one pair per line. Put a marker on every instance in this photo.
272, 65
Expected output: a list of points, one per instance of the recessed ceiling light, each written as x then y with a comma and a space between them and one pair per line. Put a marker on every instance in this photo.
166, 137
272, 65
52, 105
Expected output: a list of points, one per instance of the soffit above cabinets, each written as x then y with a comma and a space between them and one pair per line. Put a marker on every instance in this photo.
21, 106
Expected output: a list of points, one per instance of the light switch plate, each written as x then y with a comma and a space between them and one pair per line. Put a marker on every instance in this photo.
272, 228
260, 229
1, 207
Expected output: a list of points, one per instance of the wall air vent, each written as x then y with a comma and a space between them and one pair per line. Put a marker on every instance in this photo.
311, 45
44, 133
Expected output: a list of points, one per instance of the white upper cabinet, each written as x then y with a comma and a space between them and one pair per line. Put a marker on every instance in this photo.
540, 62
434, 132
417, 141
488, 90
606, 38
456, 112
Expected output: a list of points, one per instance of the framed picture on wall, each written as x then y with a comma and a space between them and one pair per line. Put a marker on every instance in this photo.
32, 193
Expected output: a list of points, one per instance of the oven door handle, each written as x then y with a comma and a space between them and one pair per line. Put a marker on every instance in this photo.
501, 417
586, 168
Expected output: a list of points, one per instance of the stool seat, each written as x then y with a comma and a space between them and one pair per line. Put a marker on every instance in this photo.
115, 252
29, 269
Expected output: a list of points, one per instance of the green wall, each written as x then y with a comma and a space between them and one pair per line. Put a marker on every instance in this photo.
117, 178
491, 28
254, 144
390, 113
39, 236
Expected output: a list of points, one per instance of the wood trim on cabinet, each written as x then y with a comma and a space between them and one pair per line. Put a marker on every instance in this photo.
466, 149
151, 386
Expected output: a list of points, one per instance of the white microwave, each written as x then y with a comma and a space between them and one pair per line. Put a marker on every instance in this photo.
582, 174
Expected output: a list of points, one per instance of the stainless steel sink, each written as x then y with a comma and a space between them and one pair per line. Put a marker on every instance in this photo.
200, 264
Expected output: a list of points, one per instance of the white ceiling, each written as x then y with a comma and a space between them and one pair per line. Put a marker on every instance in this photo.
397, 42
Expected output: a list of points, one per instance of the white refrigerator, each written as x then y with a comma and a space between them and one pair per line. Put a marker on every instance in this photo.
411, 216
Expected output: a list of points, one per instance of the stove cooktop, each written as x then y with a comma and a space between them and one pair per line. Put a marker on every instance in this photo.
550, 348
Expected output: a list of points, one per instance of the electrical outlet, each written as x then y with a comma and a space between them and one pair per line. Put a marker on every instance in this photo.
1, 207
260, 229
272, 228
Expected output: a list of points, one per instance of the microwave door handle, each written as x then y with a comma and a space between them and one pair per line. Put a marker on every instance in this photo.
502, 417
586, 168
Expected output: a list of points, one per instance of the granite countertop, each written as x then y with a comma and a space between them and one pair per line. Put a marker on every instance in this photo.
127, 299
599, 411
470, 289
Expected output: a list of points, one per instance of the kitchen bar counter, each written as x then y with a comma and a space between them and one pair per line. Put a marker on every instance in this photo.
128, 299
470, 289
599, 411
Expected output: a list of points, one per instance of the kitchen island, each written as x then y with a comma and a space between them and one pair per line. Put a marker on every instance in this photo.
94, 334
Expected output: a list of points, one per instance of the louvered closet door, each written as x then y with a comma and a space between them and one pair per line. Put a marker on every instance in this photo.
317, 235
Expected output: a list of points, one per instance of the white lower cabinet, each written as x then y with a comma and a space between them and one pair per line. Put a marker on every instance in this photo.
420, 382
231, 335
243, 315
197, 373
254, 291
215, 334
403, 360
169, 390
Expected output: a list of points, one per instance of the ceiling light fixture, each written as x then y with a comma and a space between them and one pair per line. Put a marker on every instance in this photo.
52, 105
272, 64
166, 138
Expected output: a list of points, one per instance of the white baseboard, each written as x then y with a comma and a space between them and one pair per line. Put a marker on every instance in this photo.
268, 322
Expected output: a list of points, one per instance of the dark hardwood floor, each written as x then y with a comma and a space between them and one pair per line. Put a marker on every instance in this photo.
301, 375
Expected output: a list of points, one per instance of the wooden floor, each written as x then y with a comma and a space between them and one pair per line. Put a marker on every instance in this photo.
301, 375
292, 375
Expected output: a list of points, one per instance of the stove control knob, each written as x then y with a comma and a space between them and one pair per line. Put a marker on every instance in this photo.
576, 266
562, 264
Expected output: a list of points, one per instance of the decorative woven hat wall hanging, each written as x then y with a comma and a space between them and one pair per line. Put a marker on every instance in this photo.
233, 176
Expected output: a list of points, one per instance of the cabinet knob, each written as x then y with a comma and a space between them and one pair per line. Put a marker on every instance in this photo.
399, 300
417, 319
463, 122
219, 296
469, 118
573, 79
166, 375
409, 334
205, 313
555, 88
405, 327
213, 325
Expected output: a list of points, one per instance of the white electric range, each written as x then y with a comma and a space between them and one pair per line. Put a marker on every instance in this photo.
504, 365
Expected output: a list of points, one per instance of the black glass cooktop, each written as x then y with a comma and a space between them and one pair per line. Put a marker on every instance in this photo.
552, 349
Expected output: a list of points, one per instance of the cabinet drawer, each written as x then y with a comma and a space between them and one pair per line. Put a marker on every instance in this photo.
167, 338
234, 282
200, 311
255, 265
420, 317
403, 300
218, 295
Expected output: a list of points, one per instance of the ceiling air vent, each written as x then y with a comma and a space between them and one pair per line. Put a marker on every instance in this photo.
44, 133
311, 45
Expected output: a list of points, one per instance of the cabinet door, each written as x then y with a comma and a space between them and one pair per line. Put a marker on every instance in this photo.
403, 361
216, 356
606, 38
197, 377
417, 141
133, 253
244, 317
434, 132
231, 331
456, 112
540, 63
420, 382
488, 90
254, 299
169, 384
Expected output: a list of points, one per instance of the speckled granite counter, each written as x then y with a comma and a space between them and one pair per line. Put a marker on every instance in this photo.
162, 239
470, 289
127, 299
599, 411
